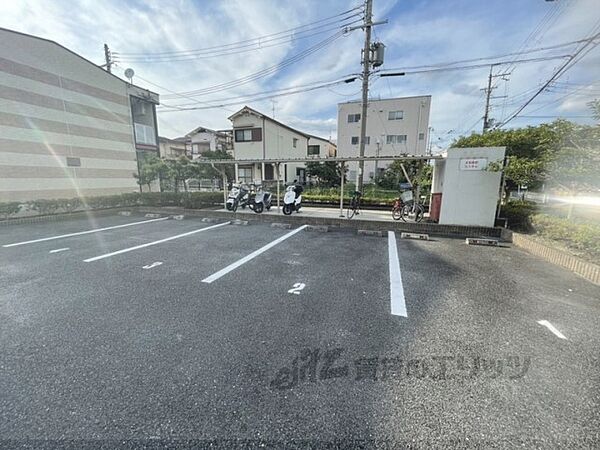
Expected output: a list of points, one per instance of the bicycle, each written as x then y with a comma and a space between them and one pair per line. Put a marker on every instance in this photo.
354, 206
407, 209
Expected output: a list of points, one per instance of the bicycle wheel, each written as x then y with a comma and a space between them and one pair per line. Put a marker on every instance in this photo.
396, 213
407, 213
351, 209
420, 213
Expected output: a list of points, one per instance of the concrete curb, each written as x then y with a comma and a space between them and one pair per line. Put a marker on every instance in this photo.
433, 229
369, 233
584, 269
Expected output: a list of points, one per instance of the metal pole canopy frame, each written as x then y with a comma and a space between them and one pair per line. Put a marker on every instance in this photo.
341, 161
303, 160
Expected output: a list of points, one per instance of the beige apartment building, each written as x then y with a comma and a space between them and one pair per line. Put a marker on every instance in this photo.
395, 126
68, 128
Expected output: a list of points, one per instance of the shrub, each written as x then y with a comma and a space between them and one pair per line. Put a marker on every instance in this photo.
69, 204
198, 200
518, 214
44, 206
8, 209
581, 237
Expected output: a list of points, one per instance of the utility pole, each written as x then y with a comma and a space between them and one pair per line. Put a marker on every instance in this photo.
488, 91
107, 57
365, 91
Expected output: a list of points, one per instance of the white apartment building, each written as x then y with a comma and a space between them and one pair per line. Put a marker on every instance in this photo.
395, 126
67, 127
257, 136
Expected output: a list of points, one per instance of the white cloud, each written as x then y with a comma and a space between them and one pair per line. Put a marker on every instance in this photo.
420, 32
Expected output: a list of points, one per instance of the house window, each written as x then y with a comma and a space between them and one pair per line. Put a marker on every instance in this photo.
73, 162
245, 174
421, 136
354, 140
396, 139
395, 115
294, 142
248, 135
353, 118
314, 150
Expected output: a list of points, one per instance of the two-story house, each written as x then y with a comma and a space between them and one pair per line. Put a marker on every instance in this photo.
203, 139
257, 136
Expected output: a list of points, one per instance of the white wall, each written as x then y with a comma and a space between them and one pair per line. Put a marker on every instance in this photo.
469, 197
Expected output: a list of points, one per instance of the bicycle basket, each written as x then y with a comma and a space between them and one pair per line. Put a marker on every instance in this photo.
406, 196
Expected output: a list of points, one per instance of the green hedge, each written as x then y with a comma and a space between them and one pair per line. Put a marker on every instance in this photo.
192, 200
583, 238
518, 214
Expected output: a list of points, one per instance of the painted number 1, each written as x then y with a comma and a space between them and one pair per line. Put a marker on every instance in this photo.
297, 288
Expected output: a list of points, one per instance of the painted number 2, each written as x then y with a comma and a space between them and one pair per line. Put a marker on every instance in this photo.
297, 288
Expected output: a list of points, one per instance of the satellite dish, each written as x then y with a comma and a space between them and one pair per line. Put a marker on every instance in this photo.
129, 73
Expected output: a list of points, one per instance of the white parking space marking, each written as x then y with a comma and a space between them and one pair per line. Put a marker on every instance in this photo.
297, 288
137, 247
552, 328
398, 304
215, 276
59, 250
154, 264
79, 233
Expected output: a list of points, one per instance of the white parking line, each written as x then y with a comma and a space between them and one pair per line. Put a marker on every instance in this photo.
215, 276
59, 250
137, 247
95, 230
398, 304
552, 328
150, 266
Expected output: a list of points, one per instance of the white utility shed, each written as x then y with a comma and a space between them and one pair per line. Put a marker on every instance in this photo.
469, 192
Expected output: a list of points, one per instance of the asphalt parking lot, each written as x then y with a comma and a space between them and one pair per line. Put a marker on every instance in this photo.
154, 331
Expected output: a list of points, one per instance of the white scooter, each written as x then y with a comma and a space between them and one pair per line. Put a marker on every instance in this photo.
292, 199
238, 196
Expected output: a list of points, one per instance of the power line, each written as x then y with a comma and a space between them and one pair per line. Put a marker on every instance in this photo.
266, 97
576, 57
252, 41
232, 51
261, 73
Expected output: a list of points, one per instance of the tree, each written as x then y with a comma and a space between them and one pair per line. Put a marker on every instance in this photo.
419, 173
149, 171
328, 173
206, 171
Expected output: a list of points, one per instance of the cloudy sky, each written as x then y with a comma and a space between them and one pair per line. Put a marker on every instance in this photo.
418, 33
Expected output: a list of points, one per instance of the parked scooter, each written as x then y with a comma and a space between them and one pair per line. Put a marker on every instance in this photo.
292, 199
238, 196
261, 200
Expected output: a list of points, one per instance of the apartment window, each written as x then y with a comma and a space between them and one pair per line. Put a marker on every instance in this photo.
314, 150
354, 140
421, 136
294, 142
248, 135
73, 162
367, 140
396, 139
353, 118
395, 115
